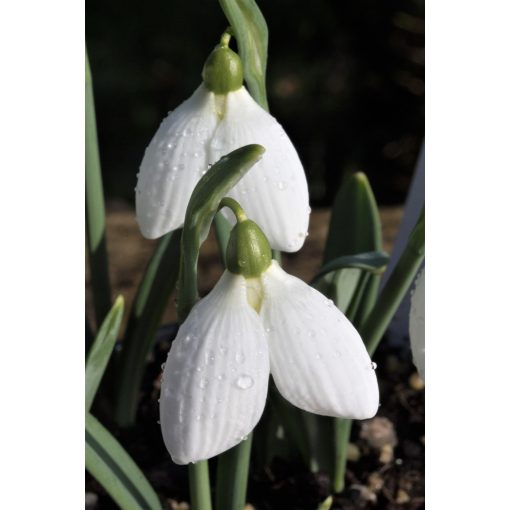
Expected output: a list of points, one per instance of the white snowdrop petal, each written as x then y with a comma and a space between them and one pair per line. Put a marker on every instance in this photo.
274, 193
215, 380
173, 163
417, 324
318, 360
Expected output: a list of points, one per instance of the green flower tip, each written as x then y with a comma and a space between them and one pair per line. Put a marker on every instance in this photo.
119, 302
360, 178
248, 250
223, 70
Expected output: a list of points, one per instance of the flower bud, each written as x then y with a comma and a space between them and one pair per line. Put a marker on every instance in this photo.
223, 71
248, 250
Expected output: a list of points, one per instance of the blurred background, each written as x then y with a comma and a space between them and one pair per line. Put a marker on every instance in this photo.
345, 79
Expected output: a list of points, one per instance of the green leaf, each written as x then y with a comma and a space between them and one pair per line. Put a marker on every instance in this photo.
374, 262
151, 299
115, 470
250, 31
95, 211
101, 350
202, 207
396, 287
355, 224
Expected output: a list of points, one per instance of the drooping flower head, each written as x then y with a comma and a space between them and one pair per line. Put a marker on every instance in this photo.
258, 320
218, 118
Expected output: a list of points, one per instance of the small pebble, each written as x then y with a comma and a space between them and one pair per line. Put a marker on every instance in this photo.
386, 455
416, 382
378, 432
402, 497
375, 482
353, 453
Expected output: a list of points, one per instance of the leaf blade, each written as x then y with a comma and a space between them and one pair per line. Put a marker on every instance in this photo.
95, 209
101, 350
108, 462
151, 299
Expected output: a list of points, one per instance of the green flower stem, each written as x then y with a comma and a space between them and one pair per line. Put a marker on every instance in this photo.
232, 478
95, 211
396, 287
342, 431
235, 207
200, 486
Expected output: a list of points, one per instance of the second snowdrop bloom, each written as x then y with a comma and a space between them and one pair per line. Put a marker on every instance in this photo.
219, 117
259, 320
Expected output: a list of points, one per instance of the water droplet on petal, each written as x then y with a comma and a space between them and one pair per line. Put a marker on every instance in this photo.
244, 382
203, 383
374, 365
240, 357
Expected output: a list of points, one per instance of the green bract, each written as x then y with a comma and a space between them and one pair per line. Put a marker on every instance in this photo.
223, 71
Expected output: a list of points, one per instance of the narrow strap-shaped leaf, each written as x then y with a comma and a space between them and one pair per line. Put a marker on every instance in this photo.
151, 299
232, 477
101, 350
202, 207
355, 303
108, 462
250, 31
373, 262
396, 287
95, 211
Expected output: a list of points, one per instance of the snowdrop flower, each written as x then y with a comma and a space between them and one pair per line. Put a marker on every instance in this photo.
417, 324
258, 319
219, 117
